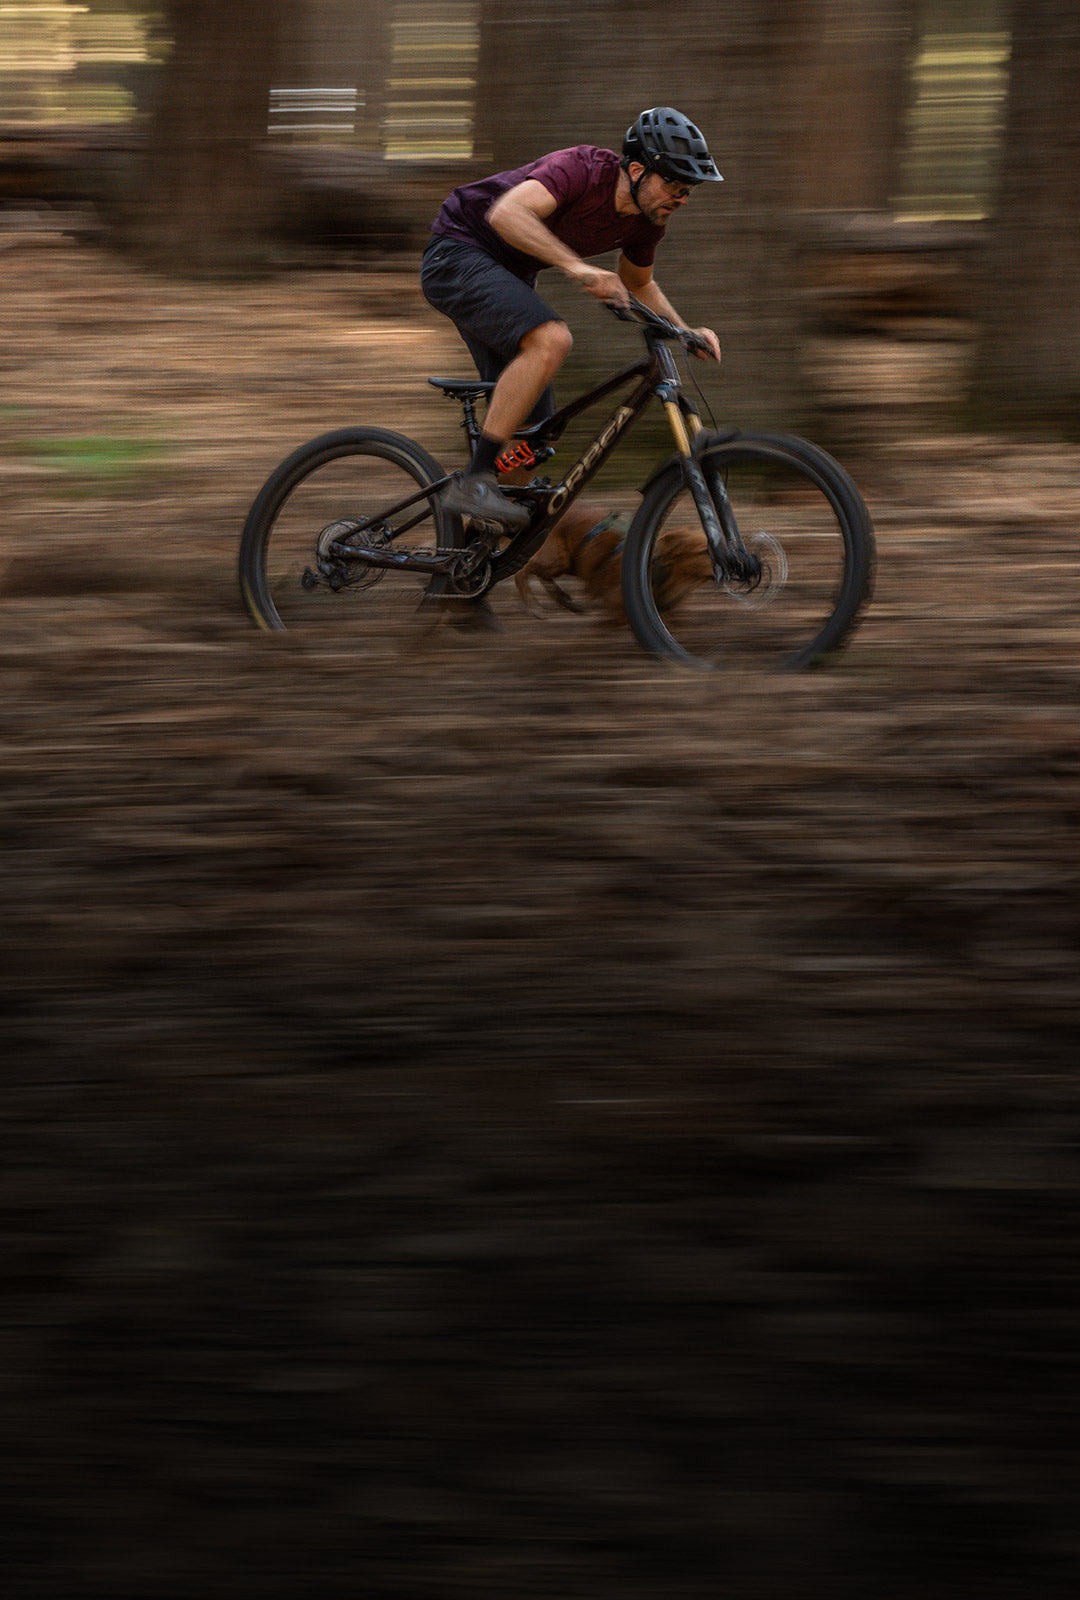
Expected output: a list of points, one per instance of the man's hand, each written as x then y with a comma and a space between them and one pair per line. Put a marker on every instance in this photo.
606, 286
711, 340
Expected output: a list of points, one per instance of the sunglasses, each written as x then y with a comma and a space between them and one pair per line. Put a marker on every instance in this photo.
677, 191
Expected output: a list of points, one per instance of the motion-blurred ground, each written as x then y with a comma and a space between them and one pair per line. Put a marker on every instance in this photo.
503, 1118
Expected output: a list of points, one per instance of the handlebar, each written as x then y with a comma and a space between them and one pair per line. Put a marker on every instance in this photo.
642, 314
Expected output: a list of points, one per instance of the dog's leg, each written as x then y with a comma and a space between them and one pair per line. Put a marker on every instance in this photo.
523, 580
561, 598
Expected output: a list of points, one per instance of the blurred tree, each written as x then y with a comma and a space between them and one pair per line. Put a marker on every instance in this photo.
207, 199
728, 259
848, 72
1027, 372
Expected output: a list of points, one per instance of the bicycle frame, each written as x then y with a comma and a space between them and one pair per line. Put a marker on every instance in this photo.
658, 376
552, 500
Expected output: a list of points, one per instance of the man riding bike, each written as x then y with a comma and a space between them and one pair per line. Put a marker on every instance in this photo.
491, 238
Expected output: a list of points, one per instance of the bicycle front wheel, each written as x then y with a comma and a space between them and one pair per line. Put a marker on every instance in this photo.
343, 491
803, 522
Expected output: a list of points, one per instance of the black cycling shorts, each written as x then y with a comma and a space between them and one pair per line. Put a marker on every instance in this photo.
491, 308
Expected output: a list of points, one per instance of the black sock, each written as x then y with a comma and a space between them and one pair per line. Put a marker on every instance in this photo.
485, 455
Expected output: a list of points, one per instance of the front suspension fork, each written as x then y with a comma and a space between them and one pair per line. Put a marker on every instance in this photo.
730, 557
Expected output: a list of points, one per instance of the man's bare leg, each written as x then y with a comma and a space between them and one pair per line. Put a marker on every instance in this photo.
540, 355
475, 493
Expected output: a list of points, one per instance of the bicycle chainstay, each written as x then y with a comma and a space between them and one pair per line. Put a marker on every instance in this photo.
463, 567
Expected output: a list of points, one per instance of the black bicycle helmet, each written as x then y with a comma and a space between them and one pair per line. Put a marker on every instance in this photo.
665, 141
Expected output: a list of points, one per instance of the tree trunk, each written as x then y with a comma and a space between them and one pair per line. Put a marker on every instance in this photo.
207, 202
848, 78
1027, 373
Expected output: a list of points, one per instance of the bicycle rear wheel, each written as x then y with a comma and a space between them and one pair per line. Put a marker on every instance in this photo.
803, 519
341, 491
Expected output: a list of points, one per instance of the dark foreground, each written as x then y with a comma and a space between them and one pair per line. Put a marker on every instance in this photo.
503, 1118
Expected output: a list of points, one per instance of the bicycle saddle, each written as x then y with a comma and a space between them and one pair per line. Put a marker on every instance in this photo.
462, 388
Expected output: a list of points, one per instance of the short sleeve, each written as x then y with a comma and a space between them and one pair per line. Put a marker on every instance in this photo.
640, 246
565, 174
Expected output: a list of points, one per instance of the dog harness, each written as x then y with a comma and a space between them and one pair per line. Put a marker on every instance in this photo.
659, 573
617, 519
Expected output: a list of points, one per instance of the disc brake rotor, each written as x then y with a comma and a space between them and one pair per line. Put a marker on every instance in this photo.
774, 571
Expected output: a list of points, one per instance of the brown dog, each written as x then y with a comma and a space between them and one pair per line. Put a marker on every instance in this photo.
587, 545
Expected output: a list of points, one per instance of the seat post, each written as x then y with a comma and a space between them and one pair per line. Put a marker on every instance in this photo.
470, 424
468, 391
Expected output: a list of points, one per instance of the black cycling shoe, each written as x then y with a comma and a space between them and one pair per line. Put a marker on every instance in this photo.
477, 495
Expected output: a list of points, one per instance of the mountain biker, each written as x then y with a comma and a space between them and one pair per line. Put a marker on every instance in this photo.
491, 238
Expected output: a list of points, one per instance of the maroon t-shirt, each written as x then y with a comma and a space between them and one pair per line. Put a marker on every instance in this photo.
582, 180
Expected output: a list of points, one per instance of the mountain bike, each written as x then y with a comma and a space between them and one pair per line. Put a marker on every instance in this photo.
349, 527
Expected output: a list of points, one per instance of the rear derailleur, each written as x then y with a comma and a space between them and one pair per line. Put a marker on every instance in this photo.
332, 572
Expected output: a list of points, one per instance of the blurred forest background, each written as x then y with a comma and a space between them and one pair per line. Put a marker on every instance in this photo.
497, 1117
883, 158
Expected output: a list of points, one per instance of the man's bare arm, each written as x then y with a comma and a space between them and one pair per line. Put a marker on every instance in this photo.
518, 217
642, 284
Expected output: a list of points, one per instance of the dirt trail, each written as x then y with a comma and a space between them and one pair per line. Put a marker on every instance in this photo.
499, 1117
